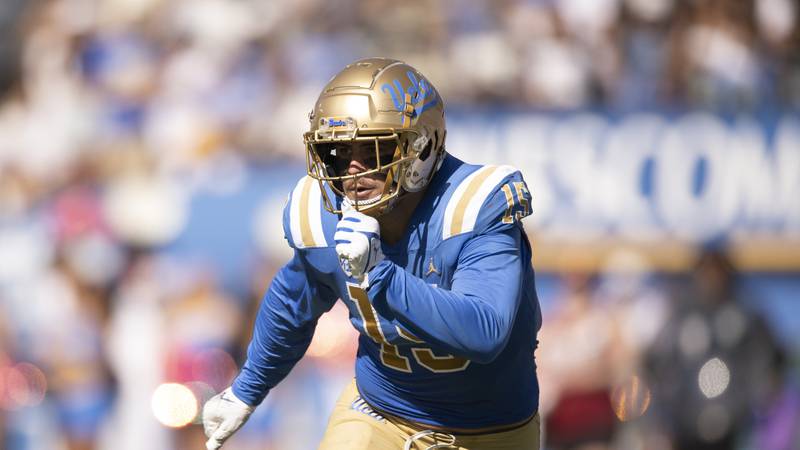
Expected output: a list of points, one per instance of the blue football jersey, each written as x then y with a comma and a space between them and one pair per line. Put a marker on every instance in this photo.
448, 323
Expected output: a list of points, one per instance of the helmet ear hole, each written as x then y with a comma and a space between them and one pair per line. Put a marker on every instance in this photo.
426, 152
436, 140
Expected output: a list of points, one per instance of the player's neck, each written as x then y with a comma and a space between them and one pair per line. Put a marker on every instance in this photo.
394, 223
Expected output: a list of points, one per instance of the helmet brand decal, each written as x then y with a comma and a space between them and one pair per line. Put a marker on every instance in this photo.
337, 124
422, 94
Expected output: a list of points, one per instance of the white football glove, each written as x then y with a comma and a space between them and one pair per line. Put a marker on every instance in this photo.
223, 414
358, 243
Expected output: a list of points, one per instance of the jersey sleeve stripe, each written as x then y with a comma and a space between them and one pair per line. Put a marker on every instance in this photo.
466, 198
465, 204
305, 216
294, 215
305, 227
315, 214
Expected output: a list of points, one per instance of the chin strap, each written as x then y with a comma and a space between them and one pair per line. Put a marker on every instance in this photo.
447, 440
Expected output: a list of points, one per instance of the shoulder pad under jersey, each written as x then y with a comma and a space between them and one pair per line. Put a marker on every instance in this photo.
490, 198
302, 216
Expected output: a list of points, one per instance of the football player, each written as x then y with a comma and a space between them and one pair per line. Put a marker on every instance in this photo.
429, 255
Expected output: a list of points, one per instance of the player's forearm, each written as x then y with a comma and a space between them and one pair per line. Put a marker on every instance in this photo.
258, 376
275, 348
282, 332
473, 319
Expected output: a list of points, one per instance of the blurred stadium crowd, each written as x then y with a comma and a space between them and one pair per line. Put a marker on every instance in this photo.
116, 114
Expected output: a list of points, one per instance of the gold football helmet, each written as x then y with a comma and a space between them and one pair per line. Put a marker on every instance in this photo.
391, 107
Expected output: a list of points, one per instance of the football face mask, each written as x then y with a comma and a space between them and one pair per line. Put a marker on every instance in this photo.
362, 168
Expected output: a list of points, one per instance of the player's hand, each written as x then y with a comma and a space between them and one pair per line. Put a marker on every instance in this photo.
358, 243
223, 414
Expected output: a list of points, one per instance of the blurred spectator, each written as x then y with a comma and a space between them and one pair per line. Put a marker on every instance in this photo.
556, 68
714, 57
203, 330
714, 361
79, 380
576, 384
136, 354
643, 41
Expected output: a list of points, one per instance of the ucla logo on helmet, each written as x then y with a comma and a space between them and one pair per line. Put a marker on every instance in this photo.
423, 96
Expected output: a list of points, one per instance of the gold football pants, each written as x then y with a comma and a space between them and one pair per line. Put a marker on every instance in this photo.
355, 426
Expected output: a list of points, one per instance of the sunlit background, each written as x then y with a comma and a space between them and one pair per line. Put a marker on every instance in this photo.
147, 148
